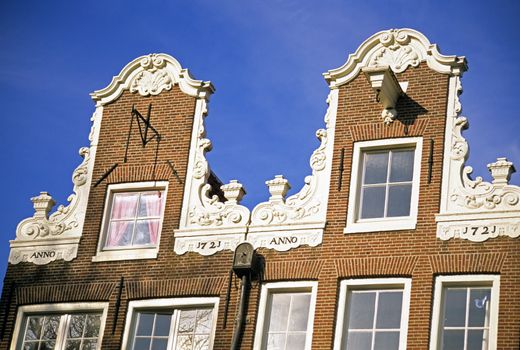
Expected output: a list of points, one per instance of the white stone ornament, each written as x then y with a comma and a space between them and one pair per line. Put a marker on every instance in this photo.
154, 78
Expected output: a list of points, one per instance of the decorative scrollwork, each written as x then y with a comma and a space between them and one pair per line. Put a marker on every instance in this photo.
395, 53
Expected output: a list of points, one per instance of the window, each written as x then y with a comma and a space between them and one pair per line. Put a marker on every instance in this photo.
168, 324
132, 221
60, 327
373, 314
465, 312
384, 188
286, 314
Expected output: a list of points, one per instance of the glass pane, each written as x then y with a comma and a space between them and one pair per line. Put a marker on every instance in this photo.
399, 197
361, 310
296, 341
373, 205
123, 205
386, 341
162, 325
401, 167
34, 328
50, 328
142, 344
299, 312
48, 345
455, 307
143, 230
476, 340
376, 167
276, 341
184, 342
389, 310
145, 324
76, 325
93, 325
187, 321
279, 309
359, 341
159, 344
31, 346
150, 204
201, 342
204, 321
453, 340
90, 344
73, 345
478, 307
120, 233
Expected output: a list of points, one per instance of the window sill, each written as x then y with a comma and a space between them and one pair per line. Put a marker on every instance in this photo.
126, 254
381, 225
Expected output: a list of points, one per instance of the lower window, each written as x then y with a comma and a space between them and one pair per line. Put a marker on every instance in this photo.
183, 324
60, 326
373, 314
465, 312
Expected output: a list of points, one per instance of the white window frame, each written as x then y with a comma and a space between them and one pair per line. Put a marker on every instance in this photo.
405, 284
441, 282
129, 253
58, 309
355, 225
263, 313
136, 306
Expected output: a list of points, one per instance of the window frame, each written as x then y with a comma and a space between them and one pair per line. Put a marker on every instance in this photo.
465, 281
354, 224
57, 309
128, 253
263, 315
347, 285
155, 305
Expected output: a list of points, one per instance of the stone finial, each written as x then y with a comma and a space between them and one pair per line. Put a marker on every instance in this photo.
42, 205
233, 191
501, 171
278, 188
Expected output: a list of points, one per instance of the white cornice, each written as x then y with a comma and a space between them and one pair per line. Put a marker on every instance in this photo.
150, 75
398, 49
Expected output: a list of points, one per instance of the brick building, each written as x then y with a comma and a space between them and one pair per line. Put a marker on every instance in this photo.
390, 244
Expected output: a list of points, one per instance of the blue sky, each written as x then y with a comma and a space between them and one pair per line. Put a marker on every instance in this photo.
264, 57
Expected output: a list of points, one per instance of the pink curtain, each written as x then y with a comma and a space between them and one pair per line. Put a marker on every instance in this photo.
123, 207
153, 208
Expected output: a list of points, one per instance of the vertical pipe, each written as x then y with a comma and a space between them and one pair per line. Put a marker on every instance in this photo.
240, 321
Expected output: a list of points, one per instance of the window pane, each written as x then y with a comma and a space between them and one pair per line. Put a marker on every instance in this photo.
31, 346
399, 197
299, 312
453, 340
296, 341
401, 167
73, 345
376, 167
476, 340
120, 233
48, 345
150, 204
204, 321
373, 202
159, 344
50, 328
389, 310
89, 344
478, 307
276, 341
359, 341
142, 344
201, 342
143, 231
455, 307
162, 325
361, 310
124, 205
386, 341
184, 342
187, 321
145, 324
76, 326
280, 303
93, 325
34, 328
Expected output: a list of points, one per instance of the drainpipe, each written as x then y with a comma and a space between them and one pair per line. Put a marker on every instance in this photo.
242, 311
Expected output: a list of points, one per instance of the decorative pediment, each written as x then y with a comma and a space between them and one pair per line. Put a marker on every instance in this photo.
398, 49
150, 75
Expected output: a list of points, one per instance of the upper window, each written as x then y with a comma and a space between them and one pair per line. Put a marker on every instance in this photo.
373, 314
385, 185
171, 324
286, 315
465, 312
132, 221
60, 327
